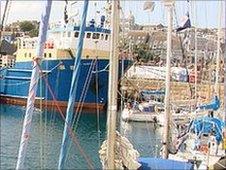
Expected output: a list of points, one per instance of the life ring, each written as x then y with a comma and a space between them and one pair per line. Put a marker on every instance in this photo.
156, 109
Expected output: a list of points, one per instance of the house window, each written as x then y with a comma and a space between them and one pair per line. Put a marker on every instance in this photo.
44, 55
64, 34
96, 35
88, 35
76, 34
69, 34
25, 55
29, 55
50, 55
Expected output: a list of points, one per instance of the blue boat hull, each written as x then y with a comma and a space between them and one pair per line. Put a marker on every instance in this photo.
15, 82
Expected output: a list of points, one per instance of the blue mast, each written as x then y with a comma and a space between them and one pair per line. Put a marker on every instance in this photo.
74, 84
33, 86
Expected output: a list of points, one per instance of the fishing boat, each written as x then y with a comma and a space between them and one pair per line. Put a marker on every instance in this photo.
57, 66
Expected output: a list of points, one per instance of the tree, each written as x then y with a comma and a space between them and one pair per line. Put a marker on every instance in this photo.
34, 32
143, 52
26, 26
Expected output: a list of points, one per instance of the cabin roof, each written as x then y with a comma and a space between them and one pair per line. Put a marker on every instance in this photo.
76, 28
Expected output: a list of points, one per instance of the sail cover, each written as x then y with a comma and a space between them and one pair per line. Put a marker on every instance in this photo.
213, 105
208, 125
149, 163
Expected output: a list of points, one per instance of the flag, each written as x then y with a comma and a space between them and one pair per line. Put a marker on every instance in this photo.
186, 23
149, 5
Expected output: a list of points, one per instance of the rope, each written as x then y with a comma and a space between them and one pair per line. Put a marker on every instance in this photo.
33, 87
69, 129
26, 82
103, 70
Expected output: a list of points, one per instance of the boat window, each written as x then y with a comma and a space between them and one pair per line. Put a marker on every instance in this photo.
44, 55
69, 34
76, 34
88, 35
96, 35
50, 55
30, 55
106, 37
64, 34
102, 36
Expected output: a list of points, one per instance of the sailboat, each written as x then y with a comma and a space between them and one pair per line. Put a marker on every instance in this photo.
116, 152
202, 140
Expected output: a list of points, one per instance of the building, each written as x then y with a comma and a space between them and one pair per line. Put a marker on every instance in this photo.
8, 36
8, 61
154, 28
7, 54
128, 23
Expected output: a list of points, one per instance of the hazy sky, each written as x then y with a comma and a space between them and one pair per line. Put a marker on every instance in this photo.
207, 11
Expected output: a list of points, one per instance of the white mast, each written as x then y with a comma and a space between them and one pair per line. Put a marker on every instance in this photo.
169, 5
113, 85
218, 59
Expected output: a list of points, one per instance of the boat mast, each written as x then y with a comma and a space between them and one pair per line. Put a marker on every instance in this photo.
169, 5
196, 54
74, 85
33, 86
112, 86
218, 59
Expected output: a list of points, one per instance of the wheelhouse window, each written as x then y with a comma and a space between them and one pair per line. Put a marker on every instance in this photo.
106, 37
88, 35
76, 34
96, 35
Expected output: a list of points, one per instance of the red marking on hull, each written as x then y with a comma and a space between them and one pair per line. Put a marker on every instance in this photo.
50, 104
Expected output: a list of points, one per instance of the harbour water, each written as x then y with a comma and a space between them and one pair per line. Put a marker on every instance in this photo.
47, 129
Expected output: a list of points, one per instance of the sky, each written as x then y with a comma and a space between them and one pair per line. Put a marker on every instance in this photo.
207, 11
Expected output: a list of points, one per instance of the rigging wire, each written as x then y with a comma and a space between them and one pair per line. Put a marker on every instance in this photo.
7, 12
82, 98
69, 129
182, 50
4, 14
84, 92
97, 95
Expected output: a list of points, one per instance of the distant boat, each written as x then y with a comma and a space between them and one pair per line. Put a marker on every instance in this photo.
147, 111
